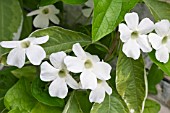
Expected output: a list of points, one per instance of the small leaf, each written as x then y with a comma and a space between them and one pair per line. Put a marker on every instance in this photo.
42, 95
111, 104
160, 10
78, 103
131, 82
28, 72
108, 14
74, 1
155, 75
41, 108
61, 39
16, 110
7, 80
3, 59
151, 107
10, 21
19, 97
162, 66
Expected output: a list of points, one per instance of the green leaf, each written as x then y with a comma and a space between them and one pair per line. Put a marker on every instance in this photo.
47, 2
19, 97
108, 14
97, 49
78, 103
151, 107
74, 1
16, 110
3, 59
30, 4
40, 92
162, 66
27, 26
111, 104
11, 20
29, 72
155, 75
61, 39
41, 108
7, 80
131, 82
160, 10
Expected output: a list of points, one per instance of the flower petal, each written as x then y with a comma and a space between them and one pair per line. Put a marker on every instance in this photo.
131, 49
71, 82
107, 88
53, 9
10, 44
87, 12
58, 88
162, 54
132, 20
74, 64
48, 72
94, 58
35, 54
16, 57
54, 19
155, 40
145, 26
125, 32
144, 43
162, 28
57, 59
88, 80
39, 40
41, 21
97, 95
35, 12
78, 51
168, 45
102, 70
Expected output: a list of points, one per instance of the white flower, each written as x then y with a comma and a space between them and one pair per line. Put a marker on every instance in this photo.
134, 35
58, 74
89, 65
87, 11
98, 94
161, 41
44, 14
29, 46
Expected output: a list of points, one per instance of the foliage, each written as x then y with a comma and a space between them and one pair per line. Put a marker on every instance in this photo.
22, 89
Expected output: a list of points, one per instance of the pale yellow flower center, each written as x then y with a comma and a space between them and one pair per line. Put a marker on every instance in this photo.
134, 35
99, 81
62, 73
164, 40
45, 11
25, 44
88, 64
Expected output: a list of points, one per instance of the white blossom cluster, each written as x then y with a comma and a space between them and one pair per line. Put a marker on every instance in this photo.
93, 72
135, 36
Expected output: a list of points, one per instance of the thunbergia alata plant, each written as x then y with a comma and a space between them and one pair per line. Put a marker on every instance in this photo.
74, 69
